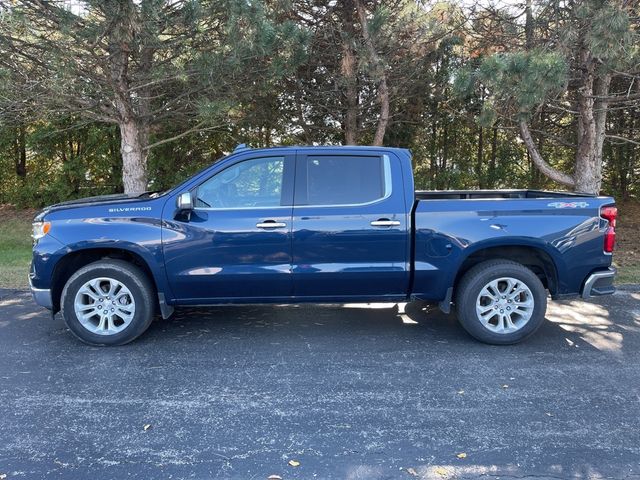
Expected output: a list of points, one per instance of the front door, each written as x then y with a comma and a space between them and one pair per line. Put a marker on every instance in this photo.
236, 243
350, 227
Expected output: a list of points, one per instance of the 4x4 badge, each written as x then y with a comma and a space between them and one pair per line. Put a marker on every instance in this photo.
568, 204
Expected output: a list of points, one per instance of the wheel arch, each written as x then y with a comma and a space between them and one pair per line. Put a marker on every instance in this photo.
76, 259
536, 258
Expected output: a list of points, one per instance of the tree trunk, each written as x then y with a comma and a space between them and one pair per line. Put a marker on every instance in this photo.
601, 107
383, 120
494, 154
348, 68
445, 155
585, 168
21, 153
115, 161
537, 178
626, 153
433, 161
592, 118
539, 162
134, 158
132, 113
528, 25
380, 76
479, 158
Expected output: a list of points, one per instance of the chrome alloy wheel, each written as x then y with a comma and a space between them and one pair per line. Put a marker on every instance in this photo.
504, 305
104, 306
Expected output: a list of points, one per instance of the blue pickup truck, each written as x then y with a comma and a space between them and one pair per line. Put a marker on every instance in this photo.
319, 224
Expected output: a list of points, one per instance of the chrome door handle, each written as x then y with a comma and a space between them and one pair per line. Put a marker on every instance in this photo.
271, 224
385, 223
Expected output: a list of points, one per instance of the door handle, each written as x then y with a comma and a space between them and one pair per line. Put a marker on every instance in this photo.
268, 224
385, 222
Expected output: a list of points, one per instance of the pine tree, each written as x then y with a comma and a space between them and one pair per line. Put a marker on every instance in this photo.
139, 64
566, 65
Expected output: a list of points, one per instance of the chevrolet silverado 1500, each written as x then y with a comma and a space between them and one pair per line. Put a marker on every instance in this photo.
323, 225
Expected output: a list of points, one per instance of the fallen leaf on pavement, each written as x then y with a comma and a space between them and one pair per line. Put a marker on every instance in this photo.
549, 414
411, 471
294, 463
146, 426
460, 392
461, 455
505, 386
3, 476
274, 477
442, 471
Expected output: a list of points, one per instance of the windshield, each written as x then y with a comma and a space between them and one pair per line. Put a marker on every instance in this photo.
160, 193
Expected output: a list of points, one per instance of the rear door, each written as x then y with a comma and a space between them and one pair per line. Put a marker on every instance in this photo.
350, 226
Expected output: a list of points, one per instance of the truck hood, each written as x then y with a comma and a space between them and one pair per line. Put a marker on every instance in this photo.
97, 200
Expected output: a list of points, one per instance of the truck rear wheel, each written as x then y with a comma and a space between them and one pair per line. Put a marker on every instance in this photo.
109, 302
500, 302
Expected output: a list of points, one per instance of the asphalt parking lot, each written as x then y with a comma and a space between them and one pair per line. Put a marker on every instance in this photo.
349, 392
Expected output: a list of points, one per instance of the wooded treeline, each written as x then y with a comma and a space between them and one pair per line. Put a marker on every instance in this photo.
122, 95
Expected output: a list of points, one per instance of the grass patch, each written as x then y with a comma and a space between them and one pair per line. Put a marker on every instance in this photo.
15, 245
628, 274
627, 253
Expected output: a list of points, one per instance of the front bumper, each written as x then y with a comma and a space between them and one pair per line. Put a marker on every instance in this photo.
599, 283
42, 296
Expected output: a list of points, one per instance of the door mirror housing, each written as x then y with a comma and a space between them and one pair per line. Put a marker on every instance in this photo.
184, 201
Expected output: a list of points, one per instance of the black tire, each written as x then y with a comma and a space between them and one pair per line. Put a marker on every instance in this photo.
473, 282
133, 279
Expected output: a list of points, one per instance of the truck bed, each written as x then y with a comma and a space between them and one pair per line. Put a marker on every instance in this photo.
489, 194
565, 228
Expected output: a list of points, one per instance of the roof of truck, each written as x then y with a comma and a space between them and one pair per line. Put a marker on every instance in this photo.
243, 148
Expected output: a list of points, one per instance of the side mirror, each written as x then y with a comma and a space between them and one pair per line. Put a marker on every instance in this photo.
184, 201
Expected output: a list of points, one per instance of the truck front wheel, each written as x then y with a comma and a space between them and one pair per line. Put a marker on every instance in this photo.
109, 302
500, 302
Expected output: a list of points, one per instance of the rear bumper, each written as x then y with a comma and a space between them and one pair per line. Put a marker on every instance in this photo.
599, 283
42, 296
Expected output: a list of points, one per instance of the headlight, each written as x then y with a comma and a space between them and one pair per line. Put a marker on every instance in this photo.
40, 229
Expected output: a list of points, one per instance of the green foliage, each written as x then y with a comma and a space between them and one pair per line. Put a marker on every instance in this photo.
608, 29
464, 82
518, 81
63, 162
270, 72
379, 20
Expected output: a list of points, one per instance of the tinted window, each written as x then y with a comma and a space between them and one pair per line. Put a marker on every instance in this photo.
252, 183
342, 180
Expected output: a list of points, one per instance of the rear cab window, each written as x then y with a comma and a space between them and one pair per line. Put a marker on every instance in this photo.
334, 180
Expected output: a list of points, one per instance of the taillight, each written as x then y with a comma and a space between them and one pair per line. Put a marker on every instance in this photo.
610, 214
